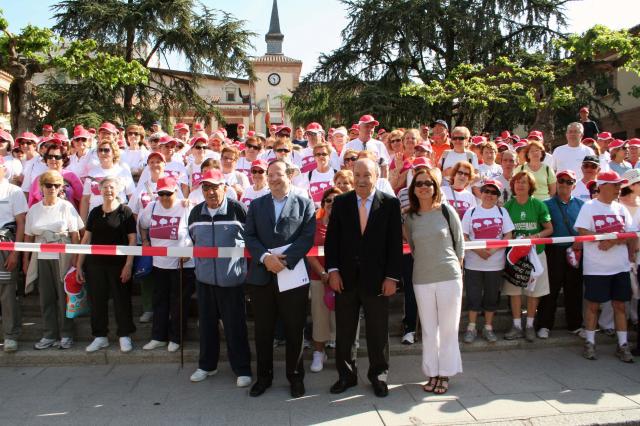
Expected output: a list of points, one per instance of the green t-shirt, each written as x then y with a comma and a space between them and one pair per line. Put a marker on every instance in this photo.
528, 218
544, 177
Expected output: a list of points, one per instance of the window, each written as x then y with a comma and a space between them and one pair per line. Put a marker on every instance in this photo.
231, 96
605, 84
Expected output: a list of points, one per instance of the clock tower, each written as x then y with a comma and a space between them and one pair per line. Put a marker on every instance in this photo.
276, 75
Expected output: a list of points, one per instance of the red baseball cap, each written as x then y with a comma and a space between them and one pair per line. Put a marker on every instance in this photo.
584, 108
505, 134
634, 142
181, 127
314, 128
354, 127
260, 164
535, 134
27, 136
518, 145
500, 145
47, 128
424, 145
569, 173
6, 136
422, 162
282, 129
240, 126
213, 176
197, 139
197, 127
108, 127
367, 119
156, 154
617, 143
166, 183
604, 135
166, 139
80, 132
588, 141
610, 177
492, 182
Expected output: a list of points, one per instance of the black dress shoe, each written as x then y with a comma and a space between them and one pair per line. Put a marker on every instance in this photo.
297, 389
380, 388
259, 387
343, 384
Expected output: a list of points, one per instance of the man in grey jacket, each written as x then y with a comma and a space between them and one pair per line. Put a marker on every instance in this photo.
219, 222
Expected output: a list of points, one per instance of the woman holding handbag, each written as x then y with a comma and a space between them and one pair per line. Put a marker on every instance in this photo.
106, 277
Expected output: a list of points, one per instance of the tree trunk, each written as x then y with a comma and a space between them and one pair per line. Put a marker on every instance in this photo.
21, 100
128, 56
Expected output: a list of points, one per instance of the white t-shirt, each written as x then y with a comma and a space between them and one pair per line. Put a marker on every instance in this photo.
487, 171
567, 157
602, 218
12, 202
91, 184
318, 183
383, 184
461, 201
167, 228
35, 168
251, 194
237, 178
244, 166
373, 145
486, 224
13, 166
135, 159
175, 169
450, 158
581, 191
61, 217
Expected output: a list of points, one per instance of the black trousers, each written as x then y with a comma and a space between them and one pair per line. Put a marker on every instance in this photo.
569, 279
376, 314
104, 282
291, 307
227, 304
410, 306
166, 303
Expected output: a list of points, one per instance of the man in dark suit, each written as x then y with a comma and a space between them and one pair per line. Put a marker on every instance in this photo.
363, 250
275, 220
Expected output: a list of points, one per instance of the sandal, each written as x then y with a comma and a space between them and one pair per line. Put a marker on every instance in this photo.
430, 385
442, 386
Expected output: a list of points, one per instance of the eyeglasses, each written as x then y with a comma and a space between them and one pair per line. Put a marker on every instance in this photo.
165, 194
459, 138
53, 157
83, 140
27, 143
321, 154
350, 159
490, 192
395, 140
282, 150
200, 147
52, 185
104, 150
328, 200
461, 173
566, 181
133, 134
257, 172
256, 147
206, 187
427, 183
589, 166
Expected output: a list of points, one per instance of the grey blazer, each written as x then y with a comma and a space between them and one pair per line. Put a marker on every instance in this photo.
296, 226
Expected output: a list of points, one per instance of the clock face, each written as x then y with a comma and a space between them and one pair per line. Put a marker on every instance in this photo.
274, 79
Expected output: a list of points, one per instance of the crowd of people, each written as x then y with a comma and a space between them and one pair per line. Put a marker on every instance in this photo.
361, 193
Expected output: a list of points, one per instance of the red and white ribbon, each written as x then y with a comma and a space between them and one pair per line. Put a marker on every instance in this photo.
227, 252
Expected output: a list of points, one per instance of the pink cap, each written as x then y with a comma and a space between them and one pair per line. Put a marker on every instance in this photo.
617, 143
260, 164
80, 132
367, 119
588, 141
502, 145
569, 173
314, 128
213, 176
108, 127
27, 136
6, 136
584, 109
521, 144
197, 139
535, 134
492, 182
425, 146
47, 128
283, 129
166, 183
181, 127
354, 127
604, 135
505, 134
422, 162
166, 139
610, 177
157, 155
634, 142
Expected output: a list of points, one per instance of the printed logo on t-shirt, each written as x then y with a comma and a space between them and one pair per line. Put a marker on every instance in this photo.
95, 185
487, 228
164, 227
307, 164
460, 206
195, 179
608, 223
316, 189
172, 173
146, 198
246, 201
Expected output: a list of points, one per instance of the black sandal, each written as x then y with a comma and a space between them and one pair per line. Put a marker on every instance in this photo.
430, 385
442, 386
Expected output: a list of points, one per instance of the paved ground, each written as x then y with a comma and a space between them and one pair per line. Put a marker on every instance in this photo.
536, 386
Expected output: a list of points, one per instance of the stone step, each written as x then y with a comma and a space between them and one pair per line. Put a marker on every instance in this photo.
26, 356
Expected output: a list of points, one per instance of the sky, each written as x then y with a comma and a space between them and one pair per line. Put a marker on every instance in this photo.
312, 27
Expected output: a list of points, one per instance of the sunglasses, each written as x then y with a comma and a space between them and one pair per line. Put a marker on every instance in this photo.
321, 154
566, 181
490, 192
350, 159
256, 147
589, 166
459, 138
211, 186
27, 143
395, 140
52, 185
461, 173
133, 134
281, 150
83, 140
165, 194
53, 157
104, 150
427, 183
257, 172
200, 147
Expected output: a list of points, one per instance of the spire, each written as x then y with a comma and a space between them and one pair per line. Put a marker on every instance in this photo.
274, 37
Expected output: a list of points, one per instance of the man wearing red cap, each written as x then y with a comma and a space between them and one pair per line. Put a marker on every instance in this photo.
354, 131
569, 156
47, 131
364, 142
607, 263
240, 130
590, 127
28, 143
603, 140
181, 131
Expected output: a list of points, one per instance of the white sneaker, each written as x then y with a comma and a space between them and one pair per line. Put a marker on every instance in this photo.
199, 375
146, 317
125, 344
154, 344
97, 344
318, 361
243, 381
45, 343
173, 347
10, 345
543, 333
409, 338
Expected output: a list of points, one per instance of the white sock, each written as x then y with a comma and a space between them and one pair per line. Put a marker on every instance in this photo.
471, 326
622, 337
530, 322
590, 336
488, 327
517, 323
